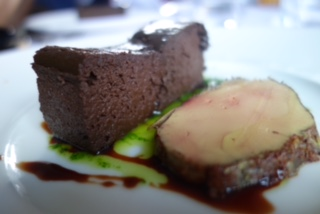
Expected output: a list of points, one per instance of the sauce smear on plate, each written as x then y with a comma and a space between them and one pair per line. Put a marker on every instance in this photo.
249, 200
53, 172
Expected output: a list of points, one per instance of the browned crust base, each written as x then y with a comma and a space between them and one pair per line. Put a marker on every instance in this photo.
265, 169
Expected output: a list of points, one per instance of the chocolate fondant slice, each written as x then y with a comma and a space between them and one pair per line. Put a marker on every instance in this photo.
92, 97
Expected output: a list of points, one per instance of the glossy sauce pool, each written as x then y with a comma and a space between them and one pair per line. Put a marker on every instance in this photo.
249, 200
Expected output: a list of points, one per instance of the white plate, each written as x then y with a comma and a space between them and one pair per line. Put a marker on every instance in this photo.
22, 139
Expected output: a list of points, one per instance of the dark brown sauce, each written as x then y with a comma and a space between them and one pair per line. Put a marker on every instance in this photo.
45, 127
249, 200
53, 172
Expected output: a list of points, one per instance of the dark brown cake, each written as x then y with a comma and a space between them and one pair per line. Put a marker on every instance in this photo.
92, 97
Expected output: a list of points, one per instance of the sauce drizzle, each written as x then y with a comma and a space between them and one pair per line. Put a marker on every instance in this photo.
53, 172
46, 128
249, 200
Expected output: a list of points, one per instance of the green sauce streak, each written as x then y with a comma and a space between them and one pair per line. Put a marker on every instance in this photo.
105, 162
138, 143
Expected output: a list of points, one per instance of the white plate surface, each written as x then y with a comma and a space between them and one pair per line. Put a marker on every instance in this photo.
22, 139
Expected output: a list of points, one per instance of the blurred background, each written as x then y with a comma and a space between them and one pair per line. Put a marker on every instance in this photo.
26, 22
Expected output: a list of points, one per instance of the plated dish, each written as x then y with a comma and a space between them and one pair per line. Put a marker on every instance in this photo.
25, 140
